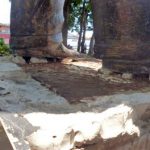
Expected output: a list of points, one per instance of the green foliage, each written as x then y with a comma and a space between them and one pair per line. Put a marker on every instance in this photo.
76, 7
4, 49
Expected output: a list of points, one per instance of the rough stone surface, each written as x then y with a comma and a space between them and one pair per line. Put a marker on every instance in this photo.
17, 60
77, 130
127, 76
38, 60
38, 119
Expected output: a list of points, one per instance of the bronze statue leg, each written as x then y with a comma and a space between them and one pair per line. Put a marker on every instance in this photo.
28, 28
55, 24
122, 33
36, 28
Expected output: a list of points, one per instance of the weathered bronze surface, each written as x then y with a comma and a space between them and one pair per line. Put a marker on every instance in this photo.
122, 33
36, 26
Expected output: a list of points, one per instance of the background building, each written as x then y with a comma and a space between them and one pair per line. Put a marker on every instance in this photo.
5, 32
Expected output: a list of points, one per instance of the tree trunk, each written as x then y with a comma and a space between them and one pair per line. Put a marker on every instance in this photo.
83, 46
65, 26
81, 26
79, 39
91, 49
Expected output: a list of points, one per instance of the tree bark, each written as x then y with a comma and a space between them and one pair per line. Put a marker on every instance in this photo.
65, 26
91, 49
83, 46
81, 26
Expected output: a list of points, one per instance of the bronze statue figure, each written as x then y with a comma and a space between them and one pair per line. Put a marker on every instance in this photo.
36, 28
122, 34
121, 30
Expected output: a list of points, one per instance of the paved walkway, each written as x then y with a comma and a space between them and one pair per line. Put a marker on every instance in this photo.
20, 95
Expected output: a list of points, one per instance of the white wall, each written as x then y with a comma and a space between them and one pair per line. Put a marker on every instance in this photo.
4, 11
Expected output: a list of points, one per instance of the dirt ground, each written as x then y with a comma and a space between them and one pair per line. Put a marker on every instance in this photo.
75, 82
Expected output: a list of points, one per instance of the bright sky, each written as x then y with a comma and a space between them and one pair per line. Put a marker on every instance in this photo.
4, 11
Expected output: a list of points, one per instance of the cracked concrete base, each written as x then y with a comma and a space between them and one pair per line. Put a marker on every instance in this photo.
38, 119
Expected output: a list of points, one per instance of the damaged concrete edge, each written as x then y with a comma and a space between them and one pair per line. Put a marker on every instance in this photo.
11, 145
95, 128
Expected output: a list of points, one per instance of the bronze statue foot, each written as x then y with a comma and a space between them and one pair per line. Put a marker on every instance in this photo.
27, 59
62, 52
